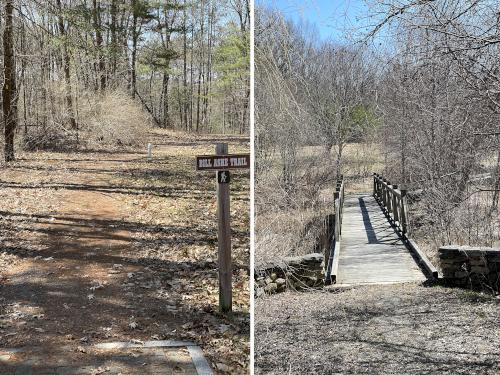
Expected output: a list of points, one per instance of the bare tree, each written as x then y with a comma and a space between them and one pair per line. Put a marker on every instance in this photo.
9, 91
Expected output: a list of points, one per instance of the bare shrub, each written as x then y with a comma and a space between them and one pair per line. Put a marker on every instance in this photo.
116, 120
50, 137
49, 130
112, 119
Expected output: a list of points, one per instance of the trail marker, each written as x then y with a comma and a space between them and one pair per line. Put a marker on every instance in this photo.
150, 151
221, 162
223, 177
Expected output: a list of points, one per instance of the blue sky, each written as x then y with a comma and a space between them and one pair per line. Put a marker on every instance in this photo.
334, 19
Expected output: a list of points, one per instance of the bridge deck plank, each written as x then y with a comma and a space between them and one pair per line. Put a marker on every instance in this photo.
371, 251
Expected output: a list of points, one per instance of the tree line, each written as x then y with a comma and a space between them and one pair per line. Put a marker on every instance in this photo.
185, 61
308, 92
428, 97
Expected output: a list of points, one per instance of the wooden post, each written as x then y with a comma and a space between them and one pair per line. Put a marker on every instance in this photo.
150, 151
224, 240
327, 240
395, 205
389, 199
384, 192
337, 221
404, 224
374, 184
341, 204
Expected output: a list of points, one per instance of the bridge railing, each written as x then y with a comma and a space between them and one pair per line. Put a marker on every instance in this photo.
393, 202
332, 263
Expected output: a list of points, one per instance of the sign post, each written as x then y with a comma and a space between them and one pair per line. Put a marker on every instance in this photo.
224, 237
221, 162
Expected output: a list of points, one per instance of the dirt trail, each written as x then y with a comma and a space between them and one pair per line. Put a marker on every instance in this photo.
84, 266
77, 282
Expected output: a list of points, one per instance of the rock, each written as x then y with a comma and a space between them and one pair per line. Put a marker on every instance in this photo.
449, 273
471, 266
493, 256
461, 274
299, 272
260, 282
280, 281
259, 292
480, 270
478, 262
222, 367
305, 260
312, 281
495, 267
271, 288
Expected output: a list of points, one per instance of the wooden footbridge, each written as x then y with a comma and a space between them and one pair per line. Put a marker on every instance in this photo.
370, 242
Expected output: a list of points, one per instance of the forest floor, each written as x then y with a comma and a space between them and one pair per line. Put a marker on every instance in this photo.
390, 329
107, 246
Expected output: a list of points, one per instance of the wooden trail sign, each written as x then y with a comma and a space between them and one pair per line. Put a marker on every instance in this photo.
220, 163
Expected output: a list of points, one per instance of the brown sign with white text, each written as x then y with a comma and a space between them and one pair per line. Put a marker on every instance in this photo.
222, 162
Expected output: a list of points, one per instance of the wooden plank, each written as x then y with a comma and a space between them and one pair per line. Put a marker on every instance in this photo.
335, 262
423, 259
372, 252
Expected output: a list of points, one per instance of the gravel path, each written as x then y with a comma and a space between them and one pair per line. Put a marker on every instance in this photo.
391, 329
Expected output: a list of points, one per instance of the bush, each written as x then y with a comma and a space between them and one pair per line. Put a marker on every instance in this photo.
115, 120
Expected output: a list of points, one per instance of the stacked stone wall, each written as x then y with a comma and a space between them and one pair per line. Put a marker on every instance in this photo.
477, 267
297, 273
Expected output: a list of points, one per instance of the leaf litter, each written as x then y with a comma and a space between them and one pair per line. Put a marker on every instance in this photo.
157, 243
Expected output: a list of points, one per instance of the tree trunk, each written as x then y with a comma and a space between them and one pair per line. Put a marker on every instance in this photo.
201, 65
9, 88
166, 108
185, 102
114, 43
135, 37
496, 186
191, 91
101, 65
66, 68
